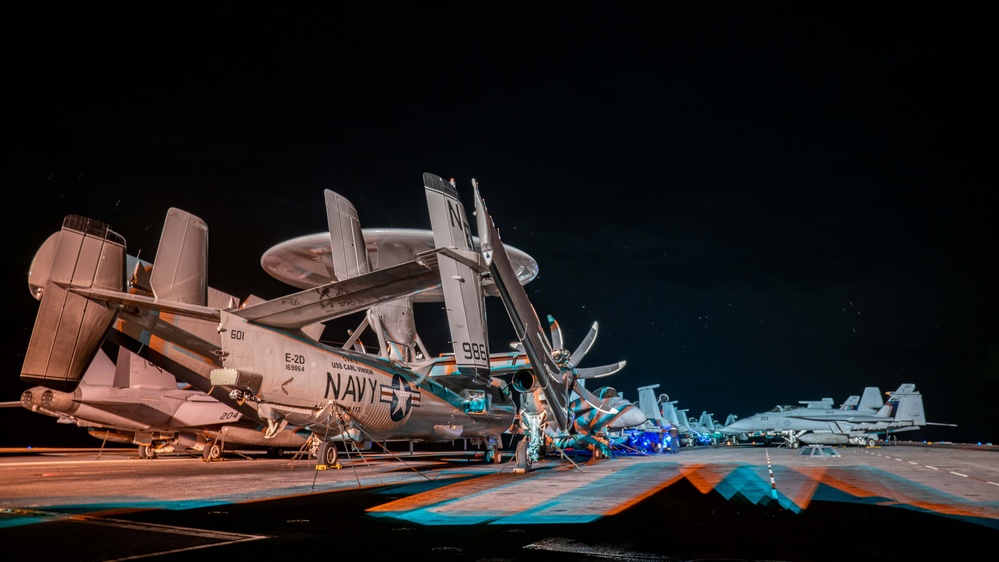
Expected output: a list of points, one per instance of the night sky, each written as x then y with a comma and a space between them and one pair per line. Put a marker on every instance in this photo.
760, 203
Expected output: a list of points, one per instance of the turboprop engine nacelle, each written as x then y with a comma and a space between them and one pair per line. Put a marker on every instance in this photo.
525, 381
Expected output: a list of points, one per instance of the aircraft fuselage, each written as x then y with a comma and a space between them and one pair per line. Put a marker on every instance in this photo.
333, 390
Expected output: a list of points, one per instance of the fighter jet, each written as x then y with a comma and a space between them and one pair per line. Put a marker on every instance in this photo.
263, 353
665, 419
132, 401
599, 422
819, 422
706, 424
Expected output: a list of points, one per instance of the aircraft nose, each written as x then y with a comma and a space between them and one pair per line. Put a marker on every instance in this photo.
736, 427
632, 417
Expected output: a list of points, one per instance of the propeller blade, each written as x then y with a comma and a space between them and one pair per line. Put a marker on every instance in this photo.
594, 401
584, 346
556, 332
601, 371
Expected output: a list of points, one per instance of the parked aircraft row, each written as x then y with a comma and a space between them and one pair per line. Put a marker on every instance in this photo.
197, 368
860, 420
691, 431
264, 360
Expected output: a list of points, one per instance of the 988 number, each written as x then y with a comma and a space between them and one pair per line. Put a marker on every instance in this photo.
475, 350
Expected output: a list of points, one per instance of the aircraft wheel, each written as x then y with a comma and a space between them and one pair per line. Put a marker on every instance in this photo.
212, 451
523, 458
327, 454
872, 443
146, 452
493, 456
597, 453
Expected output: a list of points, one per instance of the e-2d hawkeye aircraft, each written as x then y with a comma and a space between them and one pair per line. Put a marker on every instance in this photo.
268, 360
132, 401
318, 259
819, 423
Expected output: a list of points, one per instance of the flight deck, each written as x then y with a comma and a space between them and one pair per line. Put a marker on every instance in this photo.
736, 502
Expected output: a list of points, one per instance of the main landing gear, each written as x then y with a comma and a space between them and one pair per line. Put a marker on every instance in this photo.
493, 455
327, 455
212, 451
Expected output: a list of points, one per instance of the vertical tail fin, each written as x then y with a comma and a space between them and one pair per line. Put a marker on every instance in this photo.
669, 412
69, 327
871, 400
682, 418
707, 421
102, 371
180, 270
850, 403
461, 283
909, 409
132, 371
890, 407
648, 404
349, 253
391, 321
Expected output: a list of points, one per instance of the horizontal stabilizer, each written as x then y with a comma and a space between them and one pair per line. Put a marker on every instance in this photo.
114, 297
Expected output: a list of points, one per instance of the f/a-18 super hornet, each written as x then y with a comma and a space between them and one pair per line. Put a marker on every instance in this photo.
130, 400
820, 423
